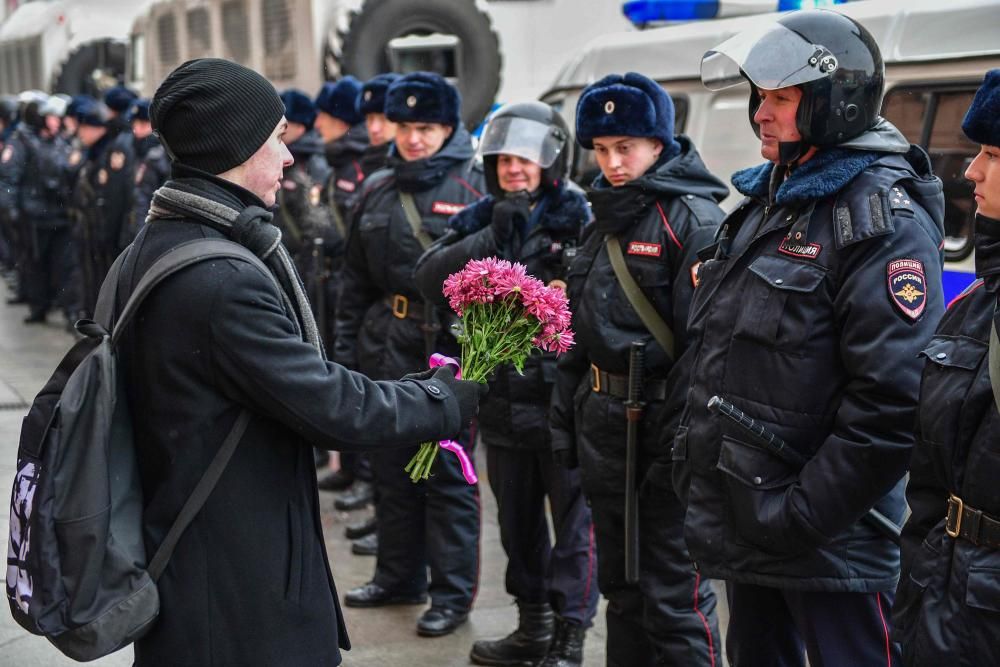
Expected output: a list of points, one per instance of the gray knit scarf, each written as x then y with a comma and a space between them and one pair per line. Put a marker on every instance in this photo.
251, 228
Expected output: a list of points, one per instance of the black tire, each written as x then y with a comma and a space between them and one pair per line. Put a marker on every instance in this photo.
77, 75
363, 48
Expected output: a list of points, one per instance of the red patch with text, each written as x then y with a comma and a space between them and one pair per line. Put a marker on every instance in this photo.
645, 249
346, 185
446, 208
803, 250
907, 286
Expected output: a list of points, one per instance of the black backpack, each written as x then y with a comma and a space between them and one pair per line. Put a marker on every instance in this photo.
77, 570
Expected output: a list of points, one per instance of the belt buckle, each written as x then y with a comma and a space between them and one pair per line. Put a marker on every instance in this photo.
595, 378
954, 502
400, 306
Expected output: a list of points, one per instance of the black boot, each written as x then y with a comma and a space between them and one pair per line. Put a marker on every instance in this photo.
525, 645
566, 649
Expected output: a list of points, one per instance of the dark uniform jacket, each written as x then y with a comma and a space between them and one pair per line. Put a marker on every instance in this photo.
661, 219
947, 609
249, 584
152, 171
347, 172
380, 315
809, 315
33, 179
102, 195
515, 412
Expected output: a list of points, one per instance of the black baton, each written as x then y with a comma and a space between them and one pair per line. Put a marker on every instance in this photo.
774, 444
633, 415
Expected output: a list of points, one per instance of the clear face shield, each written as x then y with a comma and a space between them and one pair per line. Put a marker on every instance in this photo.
771, 57
527, 139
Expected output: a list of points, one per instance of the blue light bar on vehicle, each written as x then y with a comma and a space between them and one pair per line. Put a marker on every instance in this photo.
642, 12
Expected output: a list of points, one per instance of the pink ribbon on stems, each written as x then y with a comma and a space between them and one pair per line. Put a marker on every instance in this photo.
452, 446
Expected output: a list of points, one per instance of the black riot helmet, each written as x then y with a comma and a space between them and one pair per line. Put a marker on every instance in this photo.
530, 130
8, 110
830, 57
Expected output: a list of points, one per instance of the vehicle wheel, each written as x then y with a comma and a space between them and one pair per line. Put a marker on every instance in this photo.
364, 53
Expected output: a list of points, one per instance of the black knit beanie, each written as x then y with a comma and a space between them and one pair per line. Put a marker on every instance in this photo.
213, 114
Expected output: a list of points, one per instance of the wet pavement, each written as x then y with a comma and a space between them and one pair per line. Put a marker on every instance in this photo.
384, 637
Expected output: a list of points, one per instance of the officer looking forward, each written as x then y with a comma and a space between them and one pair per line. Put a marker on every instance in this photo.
384, 329
654, 205
946, 606
534, 216
823, 286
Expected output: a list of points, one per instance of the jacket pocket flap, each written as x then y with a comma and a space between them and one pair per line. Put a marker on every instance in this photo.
788, 275
753, 466
983, 591
957, 351
679, 452
371, 221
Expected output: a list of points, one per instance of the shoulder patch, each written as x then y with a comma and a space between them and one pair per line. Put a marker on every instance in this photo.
907, 286
139, 173
74, 158
346, 185
645, 249
8, 153
798, 249
102, 177
116, 161
446, 208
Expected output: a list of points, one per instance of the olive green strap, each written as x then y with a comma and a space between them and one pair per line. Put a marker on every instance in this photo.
416, 222
995, 364
647, 313
338, 218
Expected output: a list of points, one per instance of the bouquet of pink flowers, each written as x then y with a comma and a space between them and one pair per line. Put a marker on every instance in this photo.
505, 314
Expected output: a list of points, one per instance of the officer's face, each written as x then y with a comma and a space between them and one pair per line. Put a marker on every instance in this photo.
69, 122
329, 127
262, 173
53, 124
624, 159
90, 134
294, 132
776, 118
381, 130
141, 128
515, 174
416, 141
985, 173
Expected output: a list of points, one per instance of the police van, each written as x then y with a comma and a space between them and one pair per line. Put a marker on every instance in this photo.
936, 53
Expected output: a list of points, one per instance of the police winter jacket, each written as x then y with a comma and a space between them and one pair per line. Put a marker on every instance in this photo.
102, 195
249, 583
380, 314
152, 171
947, 609
809, 315
661, 219
348, 170
515, 412
33, 178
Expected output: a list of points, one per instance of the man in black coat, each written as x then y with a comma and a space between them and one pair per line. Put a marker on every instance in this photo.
385, 329
249, 583
532, 215
810, 312
657, 198
947, 603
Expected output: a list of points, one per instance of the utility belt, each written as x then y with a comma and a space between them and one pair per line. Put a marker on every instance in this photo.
616, 386
403, 307
971, 524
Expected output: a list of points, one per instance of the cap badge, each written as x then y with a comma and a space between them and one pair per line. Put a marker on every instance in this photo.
368, 95
411, 101
609, 107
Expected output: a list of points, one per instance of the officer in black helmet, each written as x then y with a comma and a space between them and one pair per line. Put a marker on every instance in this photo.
822, 288
532, 215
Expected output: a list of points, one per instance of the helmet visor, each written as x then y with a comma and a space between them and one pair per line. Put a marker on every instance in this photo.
771, 57
528, 139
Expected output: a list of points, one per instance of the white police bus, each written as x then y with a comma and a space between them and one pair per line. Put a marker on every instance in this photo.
936, 53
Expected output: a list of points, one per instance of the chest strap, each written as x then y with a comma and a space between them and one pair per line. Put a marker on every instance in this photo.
413, 217
642, 306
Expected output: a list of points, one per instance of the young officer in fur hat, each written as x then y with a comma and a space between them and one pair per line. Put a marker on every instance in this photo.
947, 601
153, 168
655, 205
249, 582
532, 215
811, 309
385, 329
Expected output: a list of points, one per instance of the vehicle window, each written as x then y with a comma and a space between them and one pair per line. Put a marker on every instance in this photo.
585, 168
235, 31
932, 118
166, 37
199, 31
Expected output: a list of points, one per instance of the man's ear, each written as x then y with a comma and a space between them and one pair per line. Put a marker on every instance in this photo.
657, 146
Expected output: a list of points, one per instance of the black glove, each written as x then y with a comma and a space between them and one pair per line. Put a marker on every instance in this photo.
513, 209
468, 393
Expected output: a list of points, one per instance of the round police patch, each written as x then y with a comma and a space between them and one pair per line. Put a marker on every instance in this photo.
8, 153
907, 286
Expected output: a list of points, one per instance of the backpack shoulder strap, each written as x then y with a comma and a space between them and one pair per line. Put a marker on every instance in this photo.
170, 263
647, 313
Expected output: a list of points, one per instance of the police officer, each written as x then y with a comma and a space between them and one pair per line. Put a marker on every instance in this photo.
654, 205
381, 130
102, 196
119, 100
153, 164
384, 329
945, 609
8, 121
531, 215
811, 308
33, 187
